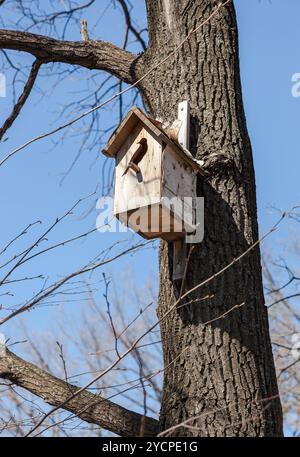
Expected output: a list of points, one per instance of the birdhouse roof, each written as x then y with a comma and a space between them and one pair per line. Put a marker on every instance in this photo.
132, 119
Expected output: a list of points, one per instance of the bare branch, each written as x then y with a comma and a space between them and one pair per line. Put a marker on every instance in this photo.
96, 55
38, 298
24, 232
22, 99
54, 391
164, 316
130, 26
134, 84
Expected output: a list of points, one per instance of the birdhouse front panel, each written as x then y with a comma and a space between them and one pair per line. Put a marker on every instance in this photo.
138, 171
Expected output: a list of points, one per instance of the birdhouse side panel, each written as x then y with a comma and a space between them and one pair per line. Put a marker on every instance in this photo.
179, 181
178, 177
139, 185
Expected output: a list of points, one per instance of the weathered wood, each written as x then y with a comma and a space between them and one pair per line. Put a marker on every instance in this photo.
155, 221
176, 183
179, 179
161, 177
184, 118
179, 259
137, 155
135, 117
129, 187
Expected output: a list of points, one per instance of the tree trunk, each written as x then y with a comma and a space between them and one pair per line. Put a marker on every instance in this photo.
226, 378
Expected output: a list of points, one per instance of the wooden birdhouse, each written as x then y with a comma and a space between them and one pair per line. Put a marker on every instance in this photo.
156, 176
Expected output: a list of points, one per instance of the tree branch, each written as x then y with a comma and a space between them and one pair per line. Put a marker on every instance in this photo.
130, 26
54, 391
95, 55
22, 99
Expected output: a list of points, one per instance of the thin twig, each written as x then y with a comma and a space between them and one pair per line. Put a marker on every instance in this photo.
171, 309
129, 25
44, 294
22, 99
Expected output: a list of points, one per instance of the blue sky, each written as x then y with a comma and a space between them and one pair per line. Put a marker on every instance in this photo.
30, 184
269, 37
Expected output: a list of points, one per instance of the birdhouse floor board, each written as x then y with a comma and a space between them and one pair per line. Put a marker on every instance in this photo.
155, 221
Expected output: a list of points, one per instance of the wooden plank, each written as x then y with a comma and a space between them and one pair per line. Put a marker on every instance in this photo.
130, 122
130, 186
153, 222
179, 178
120, 135
134, 116
179, 259
184, 117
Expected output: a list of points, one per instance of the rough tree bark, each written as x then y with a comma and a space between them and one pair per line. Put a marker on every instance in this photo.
96, 55
226, 378
227, 374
